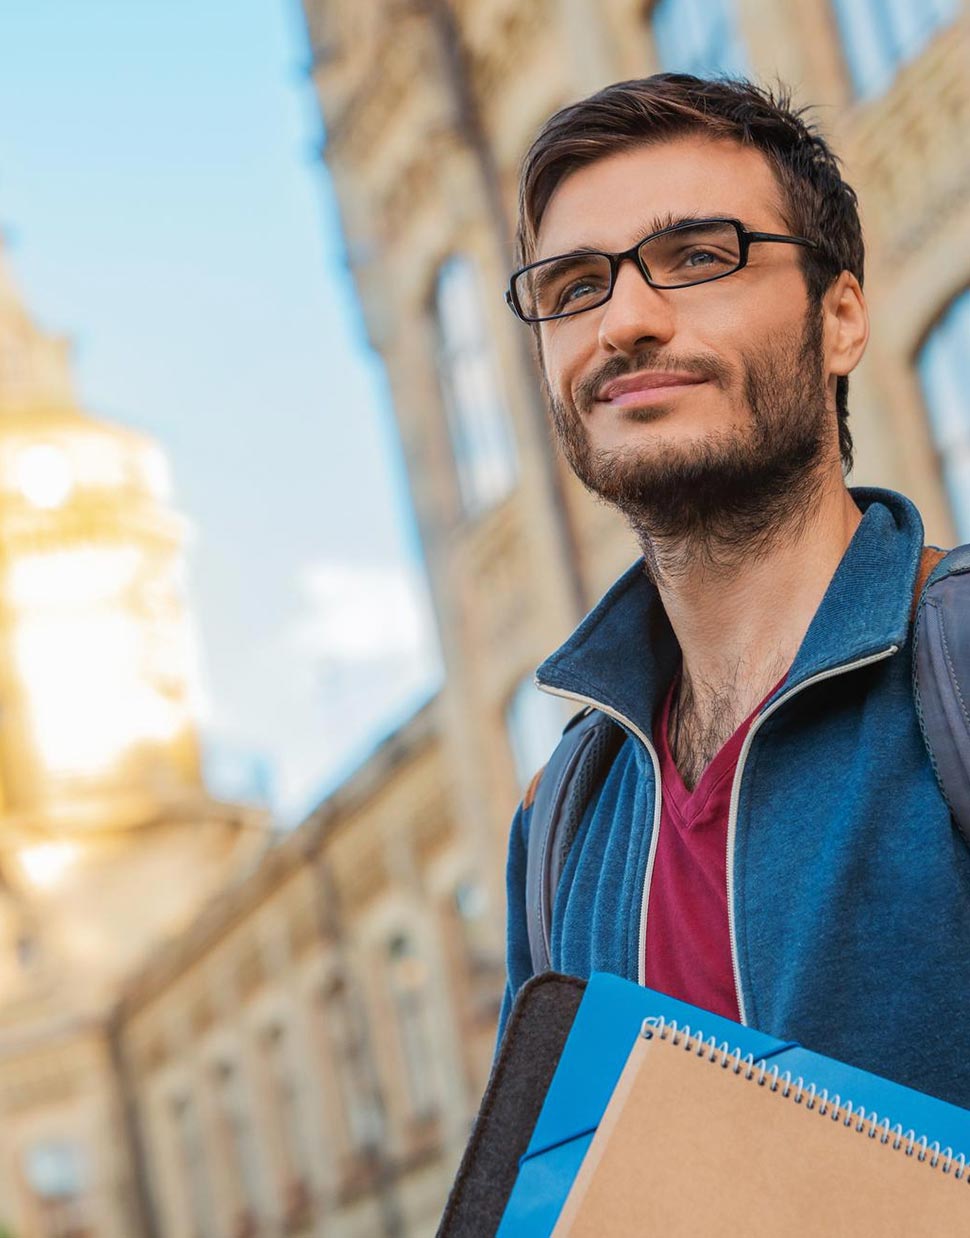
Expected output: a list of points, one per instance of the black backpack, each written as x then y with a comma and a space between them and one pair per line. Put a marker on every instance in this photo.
591, 739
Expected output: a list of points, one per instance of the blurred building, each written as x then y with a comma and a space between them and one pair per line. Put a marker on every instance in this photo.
207, 1030
202, 1036
305, 1060
109, 843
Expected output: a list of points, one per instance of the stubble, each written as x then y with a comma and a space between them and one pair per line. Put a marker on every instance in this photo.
716, 500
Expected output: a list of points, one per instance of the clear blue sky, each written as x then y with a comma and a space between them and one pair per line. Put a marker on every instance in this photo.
165, 206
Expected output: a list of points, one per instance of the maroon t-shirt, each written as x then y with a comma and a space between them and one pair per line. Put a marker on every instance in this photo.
688, 942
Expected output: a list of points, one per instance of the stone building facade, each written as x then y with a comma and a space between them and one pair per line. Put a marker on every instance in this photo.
305, 1055
208, 1029
305, 1059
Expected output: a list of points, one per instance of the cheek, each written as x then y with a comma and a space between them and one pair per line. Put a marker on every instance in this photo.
559, 364
781, 306
743, 327
723, 323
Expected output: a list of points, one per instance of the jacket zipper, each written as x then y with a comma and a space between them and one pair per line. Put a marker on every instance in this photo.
736, 797
655, 833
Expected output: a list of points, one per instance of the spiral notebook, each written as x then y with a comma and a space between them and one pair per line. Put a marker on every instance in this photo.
700, 1140
914, 1130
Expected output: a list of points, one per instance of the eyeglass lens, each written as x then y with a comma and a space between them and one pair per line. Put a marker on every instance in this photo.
576, 282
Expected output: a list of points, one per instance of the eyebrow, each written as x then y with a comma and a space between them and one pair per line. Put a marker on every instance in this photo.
669, 220
646, 228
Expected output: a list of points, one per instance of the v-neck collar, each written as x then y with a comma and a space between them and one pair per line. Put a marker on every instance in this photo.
688, 806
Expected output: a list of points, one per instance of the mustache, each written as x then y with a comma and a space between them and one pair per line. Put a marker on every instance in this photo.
706, 366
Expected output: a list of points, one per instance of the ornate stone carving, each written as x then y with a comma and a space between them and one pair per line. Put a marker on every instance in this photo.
496, 52
910, 153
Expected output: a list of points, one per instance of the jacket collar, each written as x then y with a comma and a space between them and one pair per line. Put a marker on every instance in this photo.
624, 653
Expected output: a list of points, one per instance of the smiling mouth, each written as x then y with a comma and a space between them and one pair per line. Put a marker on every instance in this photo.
653, 390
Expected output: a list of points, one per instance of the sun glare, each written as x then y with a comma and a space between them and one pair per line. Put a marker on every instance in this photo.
44, 475
45, 864
99, 654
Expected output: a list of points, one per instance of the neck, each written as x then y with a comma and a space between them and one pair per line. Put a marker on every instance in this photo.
740, 620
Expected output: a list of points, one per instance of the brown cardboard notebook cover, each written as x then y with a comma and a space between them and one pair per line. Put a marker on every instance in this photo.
689, 1147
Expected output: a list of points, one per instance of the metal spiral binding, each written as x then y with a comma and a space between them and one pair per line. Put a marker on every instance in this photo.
808, 1095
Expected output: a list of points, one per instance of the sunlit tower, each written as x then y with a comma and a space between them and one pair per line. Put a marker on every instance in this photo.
101, 793
97, 681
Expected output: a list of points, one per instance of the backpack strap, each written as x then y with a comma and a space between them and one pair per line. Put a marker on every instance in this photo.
941, 676
930, 559
562, 792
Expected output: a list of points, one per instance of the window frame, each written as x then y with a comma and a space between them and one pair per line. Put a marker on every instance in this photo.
481, 431
870, 28
944, 336
735, 64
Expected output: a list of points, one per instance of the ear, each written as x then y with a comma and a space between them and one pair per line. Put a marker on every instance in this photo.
845, 319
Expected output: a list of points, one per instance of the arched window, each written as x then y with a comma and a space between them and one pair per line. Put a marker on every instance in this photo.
408, 976
347, 1039
474, 920
193, 1161
534, 721
57, 1176
478, 420
282, 1074
699, 36
944, 371
234, 1121
880, 35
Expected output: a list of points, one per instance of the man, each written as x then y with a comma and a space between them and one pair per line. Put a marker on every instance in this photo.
769, 842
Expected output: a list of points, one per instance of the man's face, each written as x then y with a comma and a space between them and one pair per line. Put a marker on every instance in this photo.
680, 405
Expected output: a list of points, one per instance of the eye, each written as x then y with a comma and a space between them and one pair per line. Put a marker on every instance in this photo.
697, 257
579, 289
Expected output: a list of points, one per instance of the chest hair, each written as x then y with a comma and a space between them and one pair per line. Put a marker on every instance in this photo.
701, 722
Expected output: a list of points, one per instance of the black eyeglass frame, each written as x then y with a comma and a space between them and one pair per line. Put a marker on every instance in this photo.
745, 240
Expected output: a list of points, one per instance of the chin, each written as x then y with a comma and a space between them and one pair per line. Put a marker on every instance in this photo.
666, 437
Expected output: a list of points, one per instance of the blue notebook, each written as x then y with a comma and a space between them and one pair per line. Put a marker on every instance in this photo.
607, 1025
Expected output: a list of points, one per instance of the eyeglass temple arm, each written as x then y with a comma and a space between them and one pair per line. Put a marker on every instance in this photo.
789, 240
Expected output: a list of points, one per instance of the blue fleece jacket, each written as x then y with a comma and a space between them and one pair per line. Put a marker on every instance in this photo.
848, 883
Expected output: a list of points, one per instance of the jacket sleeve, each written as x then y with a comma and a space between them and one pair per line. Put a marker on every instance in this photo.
518, 955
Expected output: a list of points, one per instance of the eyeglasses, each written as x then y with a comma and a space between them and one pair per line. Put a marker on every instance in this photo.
696, 251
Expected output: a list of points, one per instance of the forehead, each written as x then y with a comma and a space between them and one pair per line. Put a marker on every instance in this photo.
611, 203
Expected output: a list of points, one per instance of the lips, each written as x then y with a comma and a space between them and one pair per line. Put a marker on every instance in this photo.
646, 387
645, 382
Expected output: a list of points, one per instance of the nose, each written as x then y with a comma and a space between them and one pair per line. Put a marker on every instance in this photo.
635, 314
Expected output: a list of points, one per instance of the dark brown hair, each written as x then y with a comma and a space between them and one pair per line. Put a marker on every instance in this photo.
815, 201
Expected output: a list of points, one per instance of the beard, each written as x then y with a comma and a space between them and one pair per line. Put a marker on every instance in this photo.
718, 498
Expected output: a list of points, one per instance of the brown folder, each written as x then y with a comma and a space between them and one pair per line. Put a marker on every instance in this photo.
695, 1142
